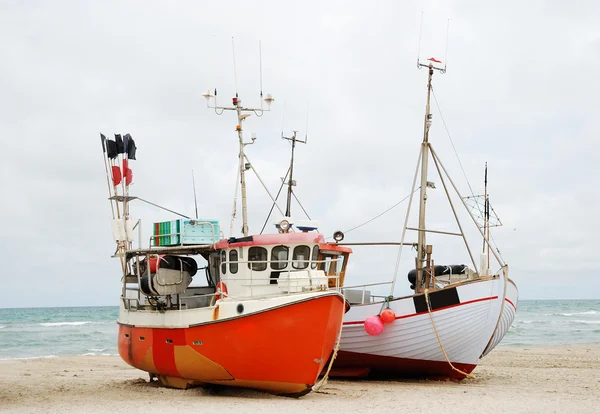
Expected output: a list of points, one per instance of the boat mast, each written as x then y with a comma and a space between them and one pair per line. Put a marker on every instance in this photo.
242, 113
487, 219
421, 247
291, 181
486, 228
242, 164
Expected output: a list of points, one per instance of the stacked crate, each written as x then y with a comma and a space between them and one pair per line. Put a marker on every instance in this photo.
186, 232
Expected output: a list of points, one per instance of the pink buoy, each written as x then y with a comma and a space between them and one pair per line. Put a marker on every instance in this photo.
373, 325
388, 316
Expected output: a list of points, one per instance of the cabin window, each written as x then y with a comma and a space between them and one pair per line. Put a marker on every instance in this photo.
279, 257
257, 254
301, 257
233, 258
315, 257
339, 264
223, 260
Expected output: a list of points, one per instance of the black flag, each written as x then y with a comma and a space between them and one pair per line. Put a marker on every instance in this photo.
130, 147
120, 146
103, 138
111, 149
125, 143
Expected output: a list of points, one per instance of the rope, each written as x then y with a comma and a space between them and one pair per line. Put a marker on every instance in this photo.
317, 387
426, 291
386, 301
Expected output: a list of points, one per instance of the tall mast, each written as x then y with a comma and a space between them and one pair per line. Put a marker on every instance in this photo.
291, 181
486, 216
242, 165
423, 197
420, 261
242, 113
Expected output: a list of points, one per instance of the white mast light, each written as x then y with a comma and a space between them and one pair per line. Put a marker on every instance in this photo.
207, 95
269, 100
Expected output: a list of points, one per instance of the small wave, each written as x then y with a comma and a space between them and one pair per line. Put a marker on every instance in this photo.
50, 324
590, 312
536, 321
97, 354
24, 358
586, 322
97, 349
2, 326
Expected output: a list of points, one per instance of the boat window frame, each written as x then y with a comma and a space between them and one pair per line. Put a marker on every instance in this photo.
314, 257
278, 265
233, 263
305, 261
262, 265
223, 260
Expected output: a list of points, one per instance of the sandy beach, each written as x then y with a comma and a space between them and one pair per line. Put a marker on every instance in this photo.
532, 380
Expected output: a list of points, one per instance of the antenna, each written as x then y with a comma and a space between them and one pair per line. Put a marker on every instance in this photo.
420, 33
242, 113
306, 130
234, 68
291, 181
446, 56
260, 68
432, 59
195, 200
282, 118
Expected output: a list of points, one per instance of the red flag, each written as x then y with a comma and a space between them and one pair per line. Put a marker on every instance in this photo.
127, 174
434, 60
116, 175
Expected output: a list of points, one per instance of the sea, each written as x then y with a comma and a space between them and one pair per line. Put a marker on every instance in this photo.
53, 332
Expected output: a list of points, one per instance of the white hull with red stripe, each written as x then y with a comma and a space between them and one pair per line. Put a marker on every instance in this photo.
508, 316
465, 315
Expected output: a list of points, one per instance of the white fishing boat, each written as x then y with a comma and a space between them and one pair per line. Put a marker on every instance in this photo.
457, 314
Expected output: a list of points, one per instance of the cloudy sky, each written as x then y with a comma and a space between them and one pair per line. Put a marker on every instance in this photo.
520, 93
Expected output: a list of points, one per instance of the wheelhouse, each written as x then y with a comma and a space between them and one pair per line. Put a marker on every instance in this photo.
265, 265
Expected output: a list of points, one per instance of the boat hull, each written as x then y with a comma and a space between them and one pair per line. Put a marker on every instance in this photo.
280, 350
465, 318
508, 316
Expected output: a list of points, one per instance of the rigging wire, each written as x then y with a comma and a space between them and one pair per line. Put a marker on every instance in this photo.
381, 214
234, 210
300, 204
276, 197
163, 208
460, 164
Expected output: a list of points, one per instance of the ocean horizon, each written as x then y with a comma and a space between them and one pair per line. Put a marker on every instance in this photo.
48, 332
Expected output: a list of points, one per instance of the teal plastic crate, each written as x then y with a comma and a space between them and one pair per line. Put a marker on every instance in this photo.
186, 231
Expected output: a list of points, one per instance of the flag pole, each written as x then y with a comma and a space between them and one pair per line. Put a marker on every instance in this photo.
112, 209
112, 164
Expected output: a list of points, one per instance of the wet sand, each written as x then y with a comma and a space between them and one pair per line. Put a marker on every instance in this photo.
562, 379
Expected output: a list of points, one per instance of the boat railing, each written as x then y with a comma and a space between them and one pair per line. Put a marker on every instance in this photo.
365, 295
284, 284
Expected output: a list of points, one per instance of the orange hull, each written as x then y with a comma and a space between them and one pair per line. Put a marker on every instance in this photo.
280, 350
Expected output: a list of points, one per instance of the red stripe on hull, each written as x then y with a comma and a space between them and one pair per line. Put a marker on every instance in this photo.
281, 350
513, 305
352, 364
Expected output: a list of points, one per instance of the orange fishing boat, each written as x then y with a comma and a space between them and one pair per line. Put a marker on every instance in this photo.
268, 314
